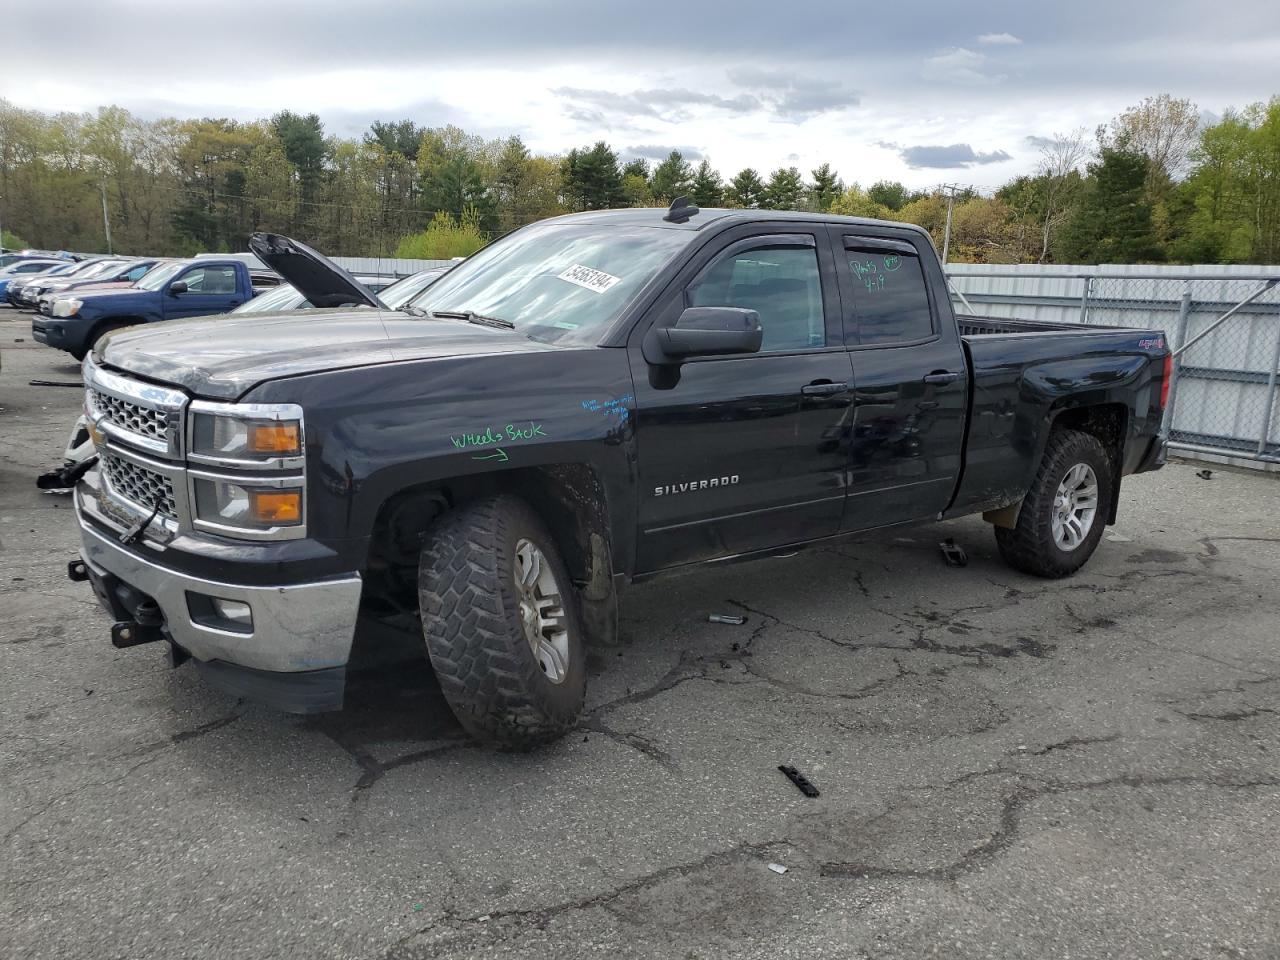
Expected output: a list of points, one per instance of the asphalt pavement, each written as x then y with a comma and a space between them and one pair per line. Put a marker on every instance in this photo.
1008, 767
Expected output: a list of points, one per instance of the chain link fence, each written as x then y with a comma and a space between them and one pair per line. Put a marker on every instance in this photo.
1223, 324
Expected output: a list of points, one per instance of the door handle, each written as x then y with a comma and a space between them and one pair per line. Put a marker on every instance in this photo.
824, 389
942, 376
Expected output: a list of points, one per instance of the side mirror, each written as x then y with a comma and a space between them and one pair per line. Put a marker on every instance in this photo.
705, 332
177, 287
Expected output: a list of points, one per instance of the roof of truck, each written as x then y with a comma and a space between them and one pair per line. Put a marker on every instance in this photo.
654, 217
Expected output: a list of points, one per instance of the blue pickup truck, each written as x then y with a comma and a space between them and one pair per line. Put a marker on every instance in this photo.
184, 288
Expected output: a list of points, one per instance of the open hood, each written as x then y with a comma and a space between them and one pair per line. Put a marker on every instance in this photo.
315, 276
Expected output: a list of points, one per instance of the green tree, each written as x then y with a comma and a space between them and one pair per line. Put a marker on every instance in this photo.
638, 167
591, 178
444, 238
856, 202
825, 188
302, 140
401, 136
1112, 223
891, 194
784, 190
706, 190
671, 178
744, 190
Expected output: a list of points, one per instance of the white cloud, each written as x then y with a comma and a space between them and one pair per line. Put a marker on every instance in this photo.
999, 39
959, 65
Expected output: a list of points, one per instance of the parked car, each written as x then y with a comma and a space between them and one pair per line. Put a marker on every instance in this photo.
183, 288
122, 274
287, 297
25, 297
398, 294
23, 270
589, 401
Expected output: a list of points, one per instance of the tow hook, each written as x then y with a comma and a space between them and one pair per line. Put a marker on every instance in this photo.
143, 628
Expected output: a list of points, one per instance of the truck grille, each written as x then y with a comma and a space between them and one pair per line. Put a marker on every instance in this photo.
144, 488
131, 416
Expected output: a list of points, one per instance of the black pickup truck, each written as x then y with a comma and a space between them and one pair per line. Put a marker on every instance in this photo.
589, 401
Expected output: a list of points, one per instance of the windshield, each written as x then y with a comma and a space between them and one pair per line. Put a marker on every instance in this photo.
402, 291
556, 281
160, 275
283, 297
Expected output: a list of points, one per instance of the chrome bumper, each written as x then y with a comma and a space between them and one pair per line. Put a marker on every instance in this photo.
296, 627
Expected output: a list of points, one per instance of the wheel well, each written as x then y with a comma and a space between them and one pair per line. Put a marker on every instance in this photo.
1107, 422
569, 498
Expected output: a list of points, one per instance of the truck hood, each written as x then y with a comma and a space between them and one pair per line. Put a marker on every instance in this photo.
315, 276
90, 295
223, 357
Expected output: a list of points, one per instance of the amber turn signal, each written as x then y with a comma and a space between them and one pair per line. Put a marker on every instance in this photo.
276, 506
274, 437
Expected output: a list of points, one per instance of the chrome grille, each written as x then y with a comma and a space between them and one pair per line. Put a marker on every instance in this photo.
145, 489
131, 417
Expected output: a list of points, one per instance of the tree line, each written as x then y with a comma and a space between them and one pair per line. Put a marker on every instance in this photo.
1155, 184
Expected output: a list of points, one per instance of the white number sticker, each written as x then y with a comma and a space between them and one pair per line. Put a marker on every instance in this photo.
589, 277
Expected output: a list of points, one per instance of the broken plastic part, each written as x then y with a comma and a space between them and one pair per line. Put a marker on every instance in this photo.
800, 780
953, 553
777, 868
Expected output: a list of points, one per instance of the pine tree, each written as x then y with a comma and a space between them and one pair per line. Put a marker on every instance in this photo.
1112, 224
825, 188
784, 190
671, 178
744, 190
706, 189
591, 178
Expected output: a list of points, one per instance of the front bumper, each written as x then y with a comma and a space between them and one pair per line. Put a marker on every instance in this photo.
301, 633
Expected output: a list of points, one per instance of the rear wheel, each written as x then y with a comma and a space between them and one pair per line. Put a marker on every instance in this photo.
1064, 513
501, 624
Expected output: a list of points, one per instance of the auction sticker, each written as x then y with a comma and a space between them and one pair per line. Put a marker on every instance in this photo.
589, 277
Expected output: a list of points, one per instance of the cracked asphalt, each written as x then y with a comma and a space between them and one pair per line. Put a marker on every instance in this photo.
1009, 767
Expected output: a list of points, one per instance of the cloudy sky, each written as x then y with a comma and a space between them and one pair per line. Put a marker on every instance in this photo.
925, 92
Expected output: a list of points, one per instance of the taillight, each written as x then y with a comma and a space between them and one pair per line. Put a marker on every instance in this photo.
1168, 380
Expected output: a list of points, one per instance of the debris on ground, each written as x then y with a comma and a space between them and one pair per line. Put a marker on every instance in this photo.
56, 383
800, 780
777, 868
1117, 537
1204, 474
953, 553
726, 618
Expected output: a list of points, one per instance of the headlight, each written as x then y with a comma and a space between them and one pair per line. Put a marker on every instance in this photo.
246, 438
67, 308
245, 505
247, 468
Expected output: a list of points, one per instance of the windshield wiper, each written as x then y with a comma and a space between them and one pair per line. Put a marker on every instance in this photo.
472, 317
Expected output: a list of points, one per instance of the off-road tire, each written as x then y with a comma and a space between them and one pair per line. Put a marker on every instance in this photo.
470, 620
1029, 546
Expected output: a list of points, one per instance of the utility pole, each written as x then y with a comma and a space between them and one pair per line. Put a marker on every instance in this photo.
106, 223
950, 190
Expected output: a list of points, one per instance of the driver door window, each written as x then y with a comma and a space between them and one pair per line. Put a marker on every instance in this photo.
210, 280
781, 283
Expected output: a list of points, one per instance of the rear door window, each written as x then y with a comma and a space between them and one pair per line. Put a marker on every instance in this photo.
890, 299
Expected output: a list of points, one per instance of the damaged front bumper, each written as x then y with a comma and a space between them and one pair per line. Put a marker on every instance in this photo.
286, 645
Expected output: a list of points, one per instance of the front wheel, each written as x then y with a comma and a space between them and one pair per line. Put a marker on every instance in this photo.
501, 624
1064, 513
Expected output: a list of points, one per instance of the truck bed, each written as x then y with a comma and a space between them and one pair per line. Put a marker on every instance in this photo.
975, 326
